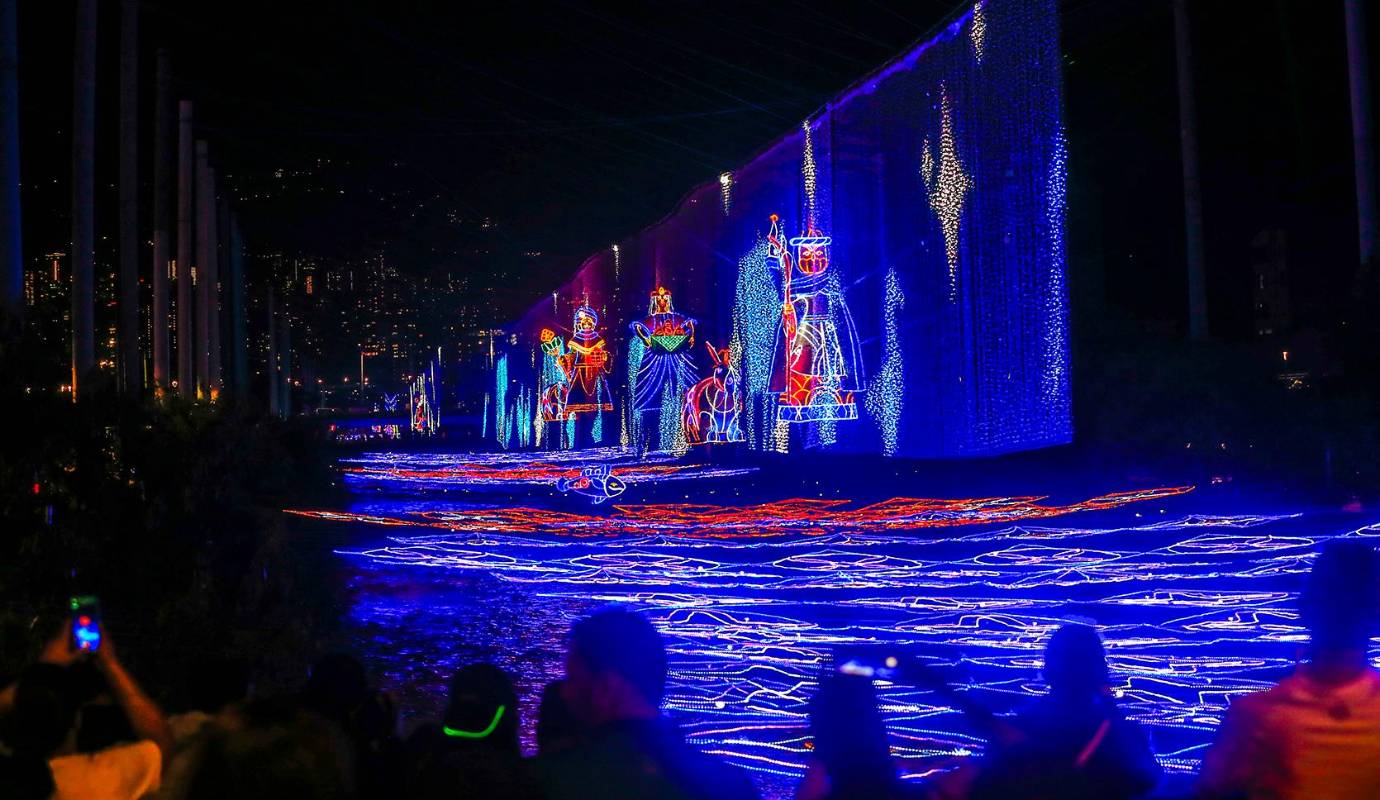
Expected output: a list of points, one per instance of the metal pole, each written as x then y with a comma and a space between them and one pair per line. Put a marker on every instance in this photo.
1358, 66
131, 369
83, 198
11, 238
285, 356
186, 314
204, 287
237, 310
272, 370
226, 370
162, 186
212, 271
1193, 189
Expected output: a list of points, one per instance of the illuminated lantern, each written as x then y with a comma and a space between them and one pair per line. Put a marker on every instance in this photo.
587, 365
555, 383
817, 369
713, 406
665, 371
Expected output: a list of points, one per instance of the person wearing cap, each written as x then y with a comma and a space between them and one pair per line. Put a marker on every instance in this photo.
475, 751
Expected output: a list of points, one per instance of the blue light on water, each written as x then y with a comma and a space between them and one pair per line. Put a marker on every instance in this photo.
1196, 606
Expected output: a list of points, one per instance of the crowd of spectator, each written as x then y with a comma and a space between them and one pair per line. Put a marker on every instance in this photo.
78, 725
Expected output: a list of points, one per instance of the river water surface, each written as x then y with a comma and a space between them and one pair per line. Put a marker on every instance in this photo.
457, 558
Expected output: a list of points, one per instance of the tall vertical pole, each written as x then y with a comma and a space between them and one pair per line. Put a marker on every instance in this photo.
237, 316
186, 315
227, 292
131, 366
226, 371
204, 288
1358, 66
211, 267
11, 239
273, 406
83, 198
162, 196
1193, 189
285, 357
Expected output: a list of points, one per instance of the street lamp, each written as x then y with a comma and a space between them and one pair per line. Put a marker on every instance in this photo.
362, 354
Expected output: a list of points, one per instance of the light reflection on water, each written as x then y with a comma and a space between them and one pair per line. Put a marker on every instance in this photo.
1195, 608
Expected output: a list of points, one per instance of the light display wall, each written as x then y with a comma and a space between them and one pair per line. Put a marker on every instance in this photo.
922, 216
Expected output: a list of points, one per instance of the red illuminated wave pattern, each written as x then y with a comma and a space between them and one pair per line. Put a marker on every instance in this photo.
794, 516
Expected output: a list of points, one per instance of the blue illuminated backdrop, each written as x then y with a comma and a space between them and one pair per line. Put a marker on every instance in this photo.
940, 180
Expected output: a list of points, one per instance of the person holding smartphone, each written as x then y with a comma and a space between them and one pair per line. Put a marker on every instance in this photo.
44, 701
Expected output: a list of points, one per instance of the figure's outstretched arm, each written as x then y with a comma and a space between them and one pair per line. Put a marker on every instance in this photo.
642, 332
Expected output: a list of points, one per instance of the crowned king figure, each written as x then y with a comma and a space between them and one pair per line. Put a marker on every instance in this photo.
817, 368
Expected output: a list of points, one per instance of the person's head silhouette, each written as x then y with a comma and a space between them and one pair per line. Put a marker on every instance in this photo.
1075, 663
557, 728
1339, 599
336, 687
615, 668
849, 735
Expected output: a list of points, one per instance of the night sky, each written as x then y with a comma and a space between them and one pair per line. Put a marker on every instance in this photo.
510, 144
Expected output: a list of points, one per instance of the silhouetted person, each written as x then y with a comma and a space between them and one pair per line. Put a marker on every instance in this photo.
213, 685
1074, 741
25, 778
1315, 734
475, 751
615, 675
339, 690
49, 715
557, 728
268, 749
851, 758
337, 687
41, 712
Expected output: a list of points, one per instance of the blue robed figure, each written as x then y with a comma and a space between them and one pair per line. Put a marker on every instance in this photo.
666, 370
667, 337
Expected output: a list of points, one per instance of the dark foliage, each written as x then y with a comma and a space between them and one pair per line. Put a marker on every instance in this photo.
1223, 409
167, 510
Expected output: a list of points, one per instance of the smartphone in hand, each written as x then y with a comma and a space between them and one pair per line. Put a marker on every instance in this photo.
86, 623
